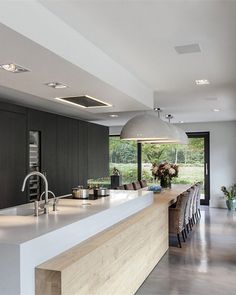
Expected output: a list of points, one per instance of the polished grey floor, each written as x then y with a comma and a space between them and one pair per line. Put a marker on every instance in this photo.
205, 265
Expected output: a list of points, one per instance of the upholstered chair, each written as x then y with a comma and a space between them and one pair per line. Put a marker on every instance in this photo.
143, 183
188, 210
129, 186
194, 204
197, 210
136, 185
176, 217
121, 187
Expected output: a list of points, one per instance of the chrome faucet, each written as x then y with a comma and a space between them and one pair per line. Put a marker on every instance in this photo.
46, 204
55, 199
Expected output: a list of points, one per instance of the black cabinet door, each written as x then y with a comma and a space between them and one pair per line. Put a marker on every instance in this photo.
67, 155
98, 151
83, 153
13, 158
46, 124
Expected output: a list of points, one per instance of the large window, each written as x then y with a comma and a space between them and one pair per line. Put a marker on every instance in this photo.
189, 158
123, 156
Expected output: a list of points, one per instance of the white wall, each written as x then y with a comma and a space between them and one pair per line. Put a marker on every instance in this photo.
222, 155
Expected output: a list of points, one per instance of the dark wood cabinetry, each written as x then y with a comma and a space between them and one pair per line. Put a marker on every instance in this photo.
46, 124
13, 155
98, 151
71, 151
67, 155
83, 153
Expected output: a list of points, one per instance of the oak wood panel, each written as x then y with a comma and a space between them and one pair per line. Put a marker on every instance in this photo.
117, 260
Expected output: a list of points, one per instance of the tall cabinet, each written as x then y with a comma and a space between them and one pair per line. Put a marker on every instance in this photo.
13, 155
69, 151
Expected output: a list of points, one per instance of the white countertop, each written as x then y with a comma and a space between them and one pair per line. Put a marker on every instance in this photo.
27, 241
17, 229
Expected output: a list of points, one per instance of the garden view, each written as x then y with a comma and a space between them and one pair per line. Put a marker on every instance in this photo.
189, 158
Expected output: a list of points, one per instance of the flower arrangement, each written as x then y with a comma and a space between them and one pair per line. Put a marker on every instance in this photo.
165, 172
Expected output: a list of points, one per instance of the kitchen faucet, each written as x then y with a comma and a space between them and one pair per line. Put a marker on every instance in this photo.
46, 203
55, 199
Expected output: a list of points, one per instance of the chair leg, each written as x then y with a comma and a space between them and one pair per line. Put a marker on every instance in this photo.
190, 225
178, 237
187, 226
185, 233
199, 213
192, 222
183, 236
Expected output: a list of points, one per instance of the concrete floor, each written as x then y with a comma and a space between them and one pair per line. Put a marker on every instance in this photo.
206, 265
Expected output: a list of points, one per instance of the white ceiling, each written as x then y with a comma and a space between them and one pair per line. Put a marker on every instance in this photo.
140, 36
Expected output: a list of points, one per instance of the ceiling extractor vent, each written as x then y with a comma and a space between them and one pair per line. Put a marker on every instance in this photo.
84, 101
189, 48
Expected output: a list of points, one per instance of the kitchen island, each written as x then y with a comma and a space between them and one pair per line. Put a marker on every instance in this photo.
115, 261
27, 241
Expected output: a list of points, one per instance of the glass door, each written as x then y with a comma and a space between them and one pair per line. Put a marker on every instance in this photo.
202, 147
192, 159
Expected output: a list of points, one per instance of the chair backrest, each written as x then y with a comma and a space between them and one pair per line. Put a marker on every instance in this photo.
176, 215
194, 201
181, 205
121, 187
198, 195
188, 206
129, 186
136, 185
143, 183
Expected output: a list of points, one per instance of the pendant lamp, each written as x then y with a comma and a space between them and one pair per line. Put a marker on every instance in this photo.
146, 127
150, 128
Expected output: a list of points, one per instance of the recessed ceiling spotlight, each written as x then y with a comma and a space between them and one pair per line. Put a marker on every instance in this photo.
202, 82
56, 85
188, 48
216, 110
13, 68
114, 116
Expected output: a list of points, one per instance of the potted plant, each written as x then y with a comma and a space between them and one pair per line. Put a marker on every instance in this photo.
230, 195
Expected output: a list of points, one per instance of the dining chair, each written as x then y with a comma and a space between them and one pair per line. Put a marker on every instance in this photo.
176, 217
188, 210
121, 187
129, 186
143, 183
136, 185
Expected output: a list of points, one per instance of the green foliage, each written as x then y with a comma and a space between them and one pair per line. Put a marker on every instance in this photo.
190, 158
122, 151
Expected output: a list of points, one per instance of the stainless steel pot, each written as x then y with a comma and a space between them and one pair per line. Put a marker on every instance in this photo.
102, 192
80, 193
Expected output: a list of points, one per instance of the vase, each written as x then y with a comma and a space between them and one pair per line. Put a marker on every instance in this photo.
231, 204
165, 181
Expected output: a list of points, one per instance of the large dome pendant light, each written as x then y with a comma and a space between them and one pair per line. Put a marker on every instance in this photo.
147, 127
151, 129
178, 133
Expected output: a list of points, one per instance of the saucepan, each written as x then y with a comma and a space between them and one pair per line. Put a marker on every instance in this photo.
80, 193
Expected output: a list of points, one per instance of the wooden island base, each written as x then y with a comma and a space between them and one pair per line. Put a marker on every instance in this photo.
115, 261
